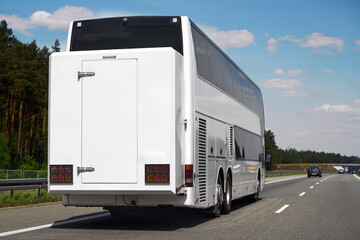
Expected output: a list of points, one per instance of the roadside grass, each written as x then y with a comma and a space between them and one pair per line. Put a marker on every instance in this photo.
326, 167
270, 175
25, 197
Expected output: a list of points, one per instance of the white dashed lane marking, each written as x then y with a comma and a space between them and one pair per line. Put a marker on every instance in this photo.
282, 209
302, 194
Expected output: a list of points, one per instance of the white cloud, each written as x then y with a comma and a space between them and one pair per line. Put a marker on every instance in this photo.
326, 70
60, 19
281, 84
327, 108
272, 45
290, 73
317, 40
279, 71
358, 43
287, 86
296, 94
290, 38
231, 38
349, 112
106, 13
18, 24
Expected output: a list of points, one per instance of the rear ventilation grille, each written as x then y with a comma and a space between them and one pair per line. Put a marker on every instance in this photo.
202, 159
231, 141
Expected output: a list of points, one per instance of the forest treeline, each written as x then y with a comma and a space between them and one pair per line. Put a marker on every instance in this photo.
292, 155
24, 101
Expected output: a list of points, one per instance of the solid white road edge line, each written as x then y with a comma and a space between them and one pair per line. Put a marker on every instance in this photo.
4, 234
302, 194
282, 209
55, 224
356, 176
286, 179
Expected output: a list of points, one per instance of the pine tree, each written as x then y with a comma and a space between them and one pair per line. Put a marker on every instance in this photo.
271, 147
56, 47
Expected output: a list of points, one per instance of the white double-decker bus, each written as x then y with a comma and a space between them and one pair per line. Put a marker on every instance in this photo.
149, 112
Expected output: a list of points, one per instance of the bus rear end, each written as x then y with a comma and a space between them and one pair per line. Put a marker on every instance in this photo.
115, 114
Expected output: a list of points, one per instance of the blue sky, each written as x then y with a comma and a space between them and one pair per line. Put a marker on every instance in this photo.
304, 55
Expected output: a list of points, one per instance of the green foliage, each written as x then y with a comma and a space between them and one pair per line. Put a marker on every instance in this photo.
24, 71
56, 47
4, 152
291, 155
29, 163
24, 197
271, 147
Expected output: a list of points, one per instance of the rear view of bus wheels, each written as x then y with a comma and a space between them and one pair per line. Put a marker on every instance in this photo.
228, 195
220, 197
255, 197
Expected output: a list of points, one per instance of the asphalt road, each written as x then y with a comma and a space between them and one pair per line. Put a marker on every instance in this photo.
302, 208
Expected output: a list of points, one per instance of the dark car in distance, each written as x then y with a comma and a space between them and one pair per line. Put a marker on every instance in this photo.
314, 171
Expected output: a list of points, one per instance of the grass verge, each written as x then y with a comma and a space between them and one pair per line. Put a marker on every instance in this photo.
270, 175
25, 197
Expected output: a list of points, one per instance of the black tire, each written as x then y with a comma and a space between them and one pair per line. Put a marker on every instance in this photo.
228, 195
255, 197
308, 175
220, 198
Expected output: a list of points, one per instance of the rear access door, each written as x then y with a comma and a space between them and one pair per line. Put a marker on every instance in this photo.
109, 121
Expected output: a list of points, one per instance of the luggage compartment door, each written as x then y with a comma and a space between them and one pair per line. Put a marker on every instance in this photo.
109, 121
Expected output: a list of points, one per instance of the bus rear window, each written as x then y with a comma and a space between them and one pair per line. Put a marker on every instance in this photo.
127, 32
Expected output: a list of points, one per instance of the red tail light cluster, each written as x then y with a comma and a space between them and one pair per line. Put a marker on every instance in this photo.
157, 173
61, 174
189, 175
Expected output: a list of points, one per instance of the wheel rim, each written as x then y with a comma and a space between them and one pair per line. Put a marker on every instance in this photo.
220, 195
228, 194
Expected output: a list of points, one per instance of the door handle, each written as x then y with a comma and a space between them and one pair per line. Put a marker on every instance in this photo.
84, 169
85, 74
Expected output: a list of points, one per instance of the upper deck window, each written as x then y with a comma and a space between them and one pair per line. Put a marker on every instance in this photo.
127, 32
216, 67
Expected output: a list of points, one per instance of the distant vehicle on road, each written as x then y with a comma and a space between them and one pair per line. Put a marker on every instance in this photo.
314, 171
341, 170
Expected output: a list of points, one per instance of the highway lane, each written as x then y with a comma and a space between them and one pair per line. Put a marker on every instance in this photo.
328, 210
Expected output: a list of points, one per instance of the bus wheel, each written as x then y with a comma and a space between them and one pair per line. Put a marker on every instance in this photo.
228, 195
255, 197
220, 198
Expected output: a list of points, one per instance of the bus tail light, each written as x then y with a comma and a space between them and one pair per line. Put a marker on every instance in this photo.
61, 174
189, 175
157, 173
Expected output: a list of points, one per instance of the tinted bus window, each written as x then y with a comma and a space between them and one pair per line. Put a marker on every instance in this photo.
125, 33
214, 66
247, 145
201, 54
